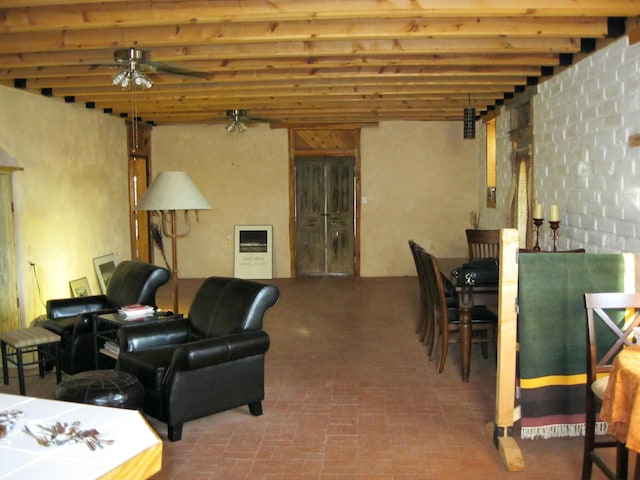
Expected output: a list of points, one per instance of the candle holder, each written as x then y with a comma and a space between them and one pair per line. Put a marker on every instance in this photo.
554, 234
538, 223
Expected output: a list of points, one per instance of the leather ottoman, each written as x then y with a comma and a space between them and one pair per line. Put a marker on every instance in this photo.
105, 388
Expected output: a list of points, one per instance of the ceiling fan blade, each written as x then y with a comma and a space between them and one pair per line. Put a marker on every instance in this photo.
160, 67
258, 119
239, 120
139, 59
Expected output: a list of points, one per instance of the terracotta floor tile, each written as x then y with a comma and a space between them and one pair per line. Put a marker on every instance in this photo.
351, 395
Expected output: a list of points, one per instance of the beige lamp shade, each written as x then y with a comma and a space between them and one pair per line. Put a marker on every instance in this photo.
173, 191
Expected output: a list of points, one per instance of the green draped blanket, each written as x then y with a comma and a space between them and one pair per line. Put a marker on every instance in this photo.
551, 334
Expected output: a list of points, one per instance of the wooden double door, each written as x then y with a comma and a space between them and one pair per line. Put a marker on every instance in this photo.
324, 202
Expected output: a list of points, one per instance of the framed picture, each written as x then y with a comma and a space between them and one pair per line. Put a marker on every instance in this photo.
105, 266
80, 287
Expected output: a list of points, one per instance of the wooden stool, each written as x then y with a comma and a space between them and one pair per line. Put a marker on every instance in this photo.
29, 340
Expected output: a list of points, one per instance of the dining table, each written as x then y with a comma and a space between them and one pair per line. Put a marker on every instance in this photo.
56, 439
621, 403
469, 296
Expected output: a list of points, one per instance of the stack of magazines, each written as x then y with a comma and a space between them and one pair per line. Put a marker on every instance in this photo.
112, 347
136, 310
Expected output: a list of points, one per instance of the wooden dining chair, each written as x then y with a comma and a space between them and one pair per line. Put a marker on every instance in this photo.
483, 244
425, 329
446, 317
610, 321
421, 320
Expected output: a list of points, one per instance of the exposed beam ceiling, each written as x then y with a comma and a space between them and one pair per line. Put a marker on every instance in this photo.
300, 62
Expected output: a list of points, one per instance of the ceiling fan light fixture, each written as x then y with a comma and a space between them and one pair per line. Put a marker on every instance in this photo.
124, 84
236, 116
141, 80
118, 78
131, 77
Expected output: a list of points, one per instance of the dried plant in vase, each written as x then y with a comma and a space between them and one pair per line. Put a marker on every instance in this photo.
156, 233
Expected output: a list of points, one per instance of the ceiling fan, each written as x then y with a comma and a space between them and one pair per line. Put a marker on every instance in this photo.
135, 64
238, 119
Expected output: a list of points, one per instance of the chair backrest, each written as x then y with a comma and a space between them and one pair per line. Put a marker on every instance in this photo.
135, 282
436, 294
415, 248
610, 321
223, 306
483, 244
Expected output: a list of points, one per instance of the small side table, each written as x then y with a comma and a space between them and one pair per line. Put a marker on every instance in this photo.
29, 340
106, 326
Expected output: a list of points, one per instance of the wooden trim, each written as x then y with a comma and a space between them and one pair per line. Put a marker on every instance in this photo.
358, 206
6, 169
292, 202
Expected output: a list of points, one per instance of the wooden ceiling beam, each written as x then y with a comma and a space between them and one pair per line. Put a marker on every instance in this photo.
371, 115
231, 88
434, 61
262, 106
336, 7
307, 50
479, 96
63, 14
234, 34
296, 61
423, 74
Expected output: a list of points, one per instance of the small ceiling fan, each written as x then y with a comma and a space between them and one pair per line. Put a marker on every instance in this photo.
136, 64
238, 119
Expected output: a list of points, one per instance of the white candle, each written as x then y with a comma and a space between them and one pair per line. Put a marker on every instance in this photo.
538, 211
554, 214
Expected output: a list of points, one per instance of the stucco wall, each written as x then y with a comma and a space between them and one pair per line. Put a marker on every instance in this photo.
419, 180
244, 176
71, 199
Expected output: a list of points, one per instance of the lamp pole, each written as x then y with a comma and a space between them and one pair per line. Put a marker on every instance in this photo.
174, 260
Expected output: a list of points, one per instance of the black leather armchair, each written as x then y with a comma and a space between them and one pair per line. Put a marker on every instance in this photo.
71, 318
209, 362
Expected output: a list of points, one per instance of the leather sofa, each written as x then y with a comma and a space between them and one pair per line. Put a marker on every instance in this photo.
208, 362
71, 318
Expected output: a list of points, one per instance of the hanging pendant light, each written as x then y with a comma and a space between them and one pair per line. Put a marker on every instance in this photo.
469, 120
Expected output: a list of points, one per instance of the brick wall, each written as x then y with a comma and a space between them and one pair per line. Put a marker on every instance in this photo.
583, 118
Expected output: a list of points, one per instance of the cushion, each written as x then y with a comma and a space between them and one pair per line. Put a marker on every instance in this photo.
149, 366
599, 387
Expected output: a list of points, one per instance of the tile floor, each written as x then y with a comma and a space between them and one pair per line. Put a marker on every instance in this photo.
351, 394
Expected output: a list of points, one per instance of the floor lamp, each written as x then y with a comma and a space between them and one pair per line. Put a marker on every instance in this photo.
170, 192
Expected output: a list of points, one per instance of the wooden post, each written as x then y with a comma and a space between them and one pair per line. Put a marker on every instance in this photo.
501, 430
